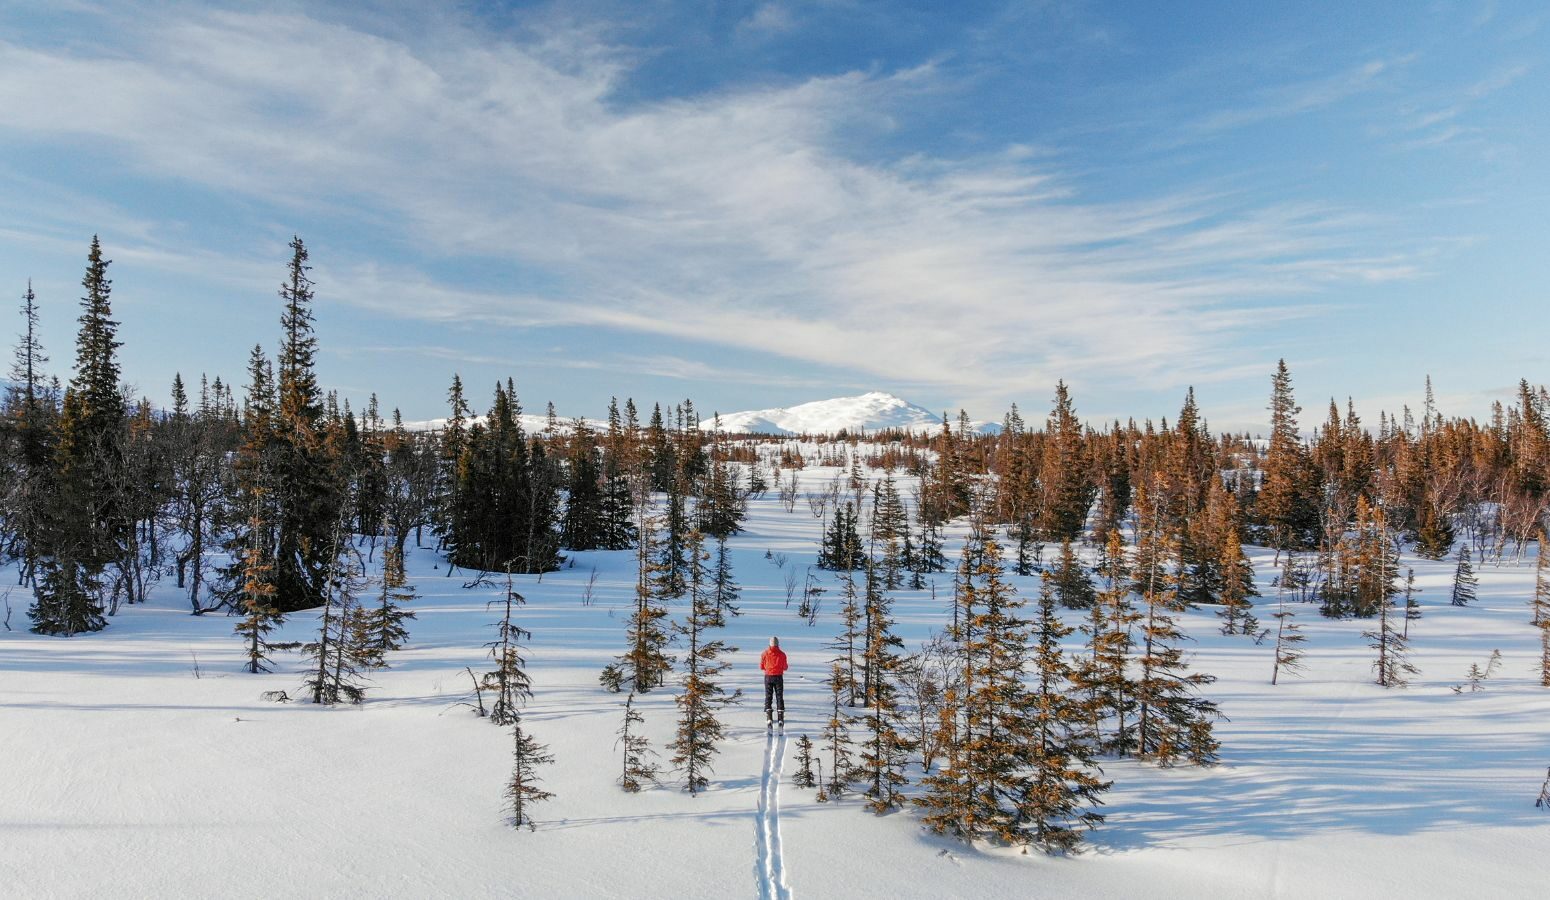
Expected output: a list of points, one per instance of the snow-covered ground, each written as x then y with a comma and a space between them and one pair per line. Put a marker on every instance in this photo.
140, 762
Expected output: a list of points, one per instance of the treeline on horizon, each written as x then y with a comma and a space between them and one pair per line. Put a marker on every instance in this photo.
104, 494
281, 500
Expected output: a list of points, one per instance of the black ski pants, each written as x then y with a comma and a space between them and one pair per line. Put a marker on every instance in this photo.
775, 693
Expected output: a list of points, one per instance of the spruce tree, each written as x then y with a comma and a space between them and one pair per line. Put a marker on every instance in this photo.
508, 680
725, 590
260, 615
1172, 719
1540, 604
841, 545
645, 664
86, 524
849, 644
385, 629
29, 417
1073, 586
636, 768
1392, 665
306, 492
885, 749
336, 654
1464, 579
522, 790
1544, 647
1237, 587
699, 729
1104, 675
1412, 606
890, 527
838, 745
1434, 534
804, 774
980, 790
1064, 476
1056, 807
584, 526
66, 601
1285, 504
1289, 636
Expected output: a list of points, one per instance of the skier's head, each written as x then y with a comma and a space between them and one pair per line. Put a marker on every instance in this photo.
774, 641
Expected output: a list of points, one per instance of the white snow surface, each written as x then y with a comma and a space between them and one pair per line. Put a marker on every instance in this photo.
123, 773
869, 412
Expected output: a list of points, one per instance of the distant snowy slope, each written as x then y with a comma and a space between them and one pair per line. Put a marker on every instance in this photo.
870, 412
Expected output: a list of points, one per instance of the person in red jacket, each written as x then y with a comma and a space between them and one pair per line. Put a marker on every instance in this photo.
773, 664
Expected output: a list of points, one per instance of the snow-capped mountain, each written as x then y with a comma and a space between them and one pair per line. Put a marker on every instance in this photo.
869, 412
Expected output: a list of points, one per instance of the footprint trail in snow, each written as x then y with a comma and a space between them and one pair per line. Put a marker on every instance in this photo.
770, 869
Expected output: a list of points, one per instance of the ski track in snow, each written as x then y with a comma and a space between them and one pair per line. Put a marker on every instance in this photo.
771, 865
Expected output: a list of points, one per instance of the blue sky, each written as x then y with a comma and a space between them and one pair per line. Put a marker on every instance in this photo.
761, 203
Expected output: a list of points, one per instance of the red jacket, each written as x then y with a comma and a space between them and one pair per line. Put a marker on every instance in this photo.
773, 661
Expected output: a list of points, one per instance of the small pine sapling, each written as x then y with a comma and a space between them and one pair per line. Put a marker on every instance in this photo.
384, 625
1412, 605
1392, 665
523, 790
636, 769
1289, 640
1476, 677
804, 774
508, 680
1464, 579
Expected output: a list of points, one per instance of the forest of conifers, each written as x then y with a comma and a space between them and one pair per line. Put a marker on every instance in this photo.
243, 492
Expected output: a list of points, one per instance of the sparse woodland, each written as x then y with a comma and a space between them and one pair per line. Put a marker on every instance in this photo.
265, 495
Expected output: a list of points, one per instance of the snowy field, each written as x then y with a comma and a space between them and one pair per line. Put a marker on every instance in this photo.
140, 762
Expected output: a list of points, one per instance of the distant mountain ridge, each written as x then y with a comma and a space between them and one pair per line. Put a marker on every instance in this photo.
870, 412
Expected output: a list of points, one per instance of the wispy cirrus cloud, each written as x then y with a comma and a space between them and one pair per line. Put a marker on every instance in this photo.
737, 218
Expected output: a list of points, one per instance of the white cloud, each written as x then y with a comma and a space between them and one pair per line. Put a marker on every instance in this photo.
734, 218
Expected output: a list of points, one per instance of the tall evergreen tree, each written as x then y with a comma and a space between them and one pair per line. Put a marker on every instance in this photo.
645, 664
885, 748
306, 490
1104, 675
838, 745
1064, 476
87, 524
980, 790
1172, 719
1285, 504
699, 729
